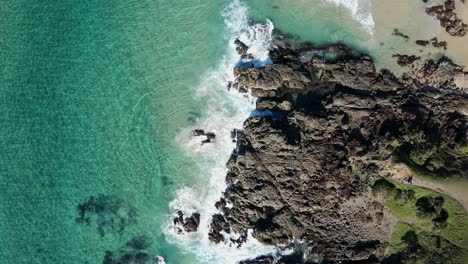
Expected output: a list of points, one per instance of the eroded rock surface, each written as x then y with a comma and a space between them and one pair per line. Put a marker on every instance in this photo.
303, 172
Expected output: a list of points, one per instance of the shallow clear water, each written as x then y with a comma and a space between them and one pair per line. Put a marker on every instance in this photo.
92, 95
98, 99
366, 25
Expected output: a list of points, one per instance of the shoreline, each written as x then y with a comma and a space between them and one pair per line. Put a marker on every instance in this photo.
230, 227
267, 91
456, 45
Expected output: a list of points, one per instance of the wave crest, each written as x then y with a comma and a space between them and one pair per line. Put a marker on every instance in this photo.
361, 11
224, 111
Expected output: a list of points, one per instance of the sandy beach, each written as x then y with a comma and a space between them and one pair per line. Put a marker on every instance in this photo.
411, 19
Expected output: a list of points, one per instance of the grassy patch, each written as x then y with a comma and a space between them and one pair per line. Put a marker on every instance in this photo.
409, 209
409, 244
396, 244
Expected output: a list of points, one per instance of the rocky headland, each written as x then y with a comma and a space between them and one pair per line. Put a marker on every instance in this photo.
310, 165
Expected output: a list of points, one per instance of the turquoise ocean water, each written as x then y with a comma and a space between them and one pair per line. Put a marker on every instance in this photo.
97, 100
92, 95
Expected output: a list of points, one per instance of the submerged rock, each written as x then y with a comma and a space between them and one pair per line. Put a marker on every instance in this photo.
139, 243
397, 32
434, 42
422, 42
404, 60
134, 252
111, 213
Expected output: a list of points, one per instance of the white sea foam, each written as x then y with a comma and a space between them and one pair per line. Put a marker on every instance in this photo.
225, 110
361, 11
161, 260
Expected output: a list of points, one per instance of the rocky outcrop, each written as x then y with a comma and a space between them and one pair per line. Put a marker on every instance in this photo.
434, 42
303, 171
188, 224
422, 42
281, 104
439, 74
404, 60
448, 18
209, 137
317, 74
242, 50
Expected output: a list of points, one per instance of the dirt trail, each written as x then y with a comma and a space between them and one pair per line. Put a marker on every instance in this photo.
457, 189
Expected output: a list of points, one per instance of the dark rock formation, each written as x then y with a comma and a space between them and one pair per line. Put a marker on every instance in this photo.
397, 32
242, 50
438, 44
218, 225
422, 42
282, 104
198, 132
189, 224
404, 60
111, 213
434, 42
440, 74
210, 136
304, 173
448, 18
316, 74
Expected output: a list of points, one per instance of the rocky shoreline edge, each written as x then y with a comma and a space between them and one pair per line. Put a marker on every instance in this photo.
308, 169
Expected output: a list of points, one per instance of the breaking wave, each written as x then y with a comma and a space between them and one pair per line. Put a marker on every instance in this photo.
225, 110
361, 10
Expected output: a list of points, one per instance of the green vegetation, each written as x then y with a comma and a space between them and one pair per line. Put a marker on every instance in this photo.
425, 209
412, 245
432, 227
432, 161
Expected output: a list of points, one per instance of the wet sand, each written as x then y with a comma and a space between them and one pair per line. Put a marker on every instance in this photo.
309, 19
411, 19
457, 46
